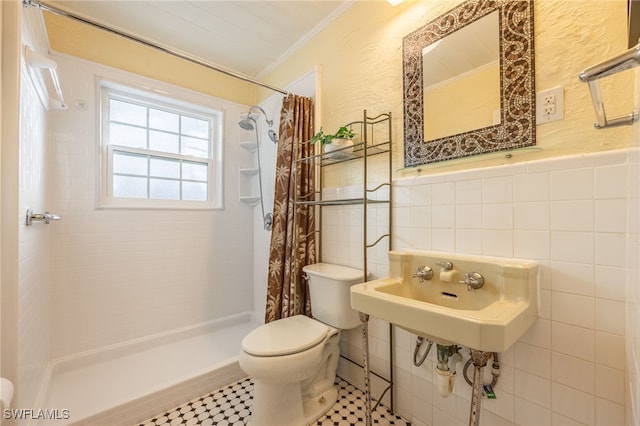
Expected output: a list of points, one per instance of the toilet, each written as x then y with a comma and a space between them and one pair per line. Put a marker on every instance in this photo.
293, 361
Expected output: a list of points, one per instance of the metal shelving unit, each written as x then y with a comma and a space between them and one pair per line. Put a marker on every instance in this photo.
375, 140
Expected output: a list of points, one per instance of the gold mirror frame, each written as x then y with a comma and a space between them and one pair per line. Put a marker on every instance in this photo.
517, 87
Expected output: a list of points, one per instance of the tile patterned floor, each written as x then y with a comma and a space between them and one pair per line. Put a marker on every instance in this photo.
230, 406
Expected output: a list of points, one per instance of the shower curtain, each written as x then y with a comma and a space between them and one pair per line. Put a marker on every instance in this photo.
292, 241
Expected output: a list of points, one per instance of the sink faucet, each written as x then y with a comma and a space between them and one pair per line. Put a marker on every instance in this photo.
445, 264
446, 271
423, 273
473, 280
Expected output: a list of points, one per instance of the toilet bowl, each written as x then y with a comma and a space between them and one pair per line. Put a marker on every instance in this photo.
293, 361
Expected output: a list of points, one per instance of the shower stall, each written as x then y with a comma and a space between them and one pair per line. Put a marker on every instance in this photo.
113, 299
134, 307
115, 291
106, 300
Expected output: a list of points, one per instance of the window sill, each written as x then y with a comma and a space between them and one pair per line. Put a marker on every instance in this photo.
138, 204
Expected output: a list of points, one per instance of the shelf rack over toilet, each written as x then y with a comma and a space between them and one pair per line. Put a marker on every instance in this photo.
375, 139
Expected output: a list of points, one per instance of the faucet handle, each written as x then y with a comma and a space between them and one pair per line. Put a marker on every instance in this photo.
423, 273
473, 280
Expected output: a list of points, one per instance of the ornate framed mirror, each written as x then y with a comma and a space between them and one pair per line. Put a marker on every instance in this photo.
468, 81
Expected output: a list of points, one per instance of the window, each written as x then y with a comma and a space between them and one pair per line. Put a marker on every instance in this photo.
158, 152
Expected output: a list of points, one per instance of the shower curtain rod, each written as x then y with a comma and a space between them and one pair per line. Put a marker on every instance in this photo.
66, 14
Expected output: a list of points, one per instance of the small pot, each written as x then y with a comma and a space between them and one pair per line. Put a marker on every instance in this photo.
345, 147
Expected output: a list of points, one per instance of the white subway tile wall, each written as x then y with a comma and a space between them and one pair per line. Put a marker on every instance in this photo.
568, 214
632, 288
34, 283
122, 274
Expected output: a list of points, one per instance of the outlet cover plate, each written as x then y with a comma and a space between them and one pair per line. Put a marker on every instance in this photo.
549, 105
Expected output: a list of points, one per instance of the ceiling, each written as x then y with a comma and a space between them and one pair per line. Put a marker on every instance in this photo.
248, 37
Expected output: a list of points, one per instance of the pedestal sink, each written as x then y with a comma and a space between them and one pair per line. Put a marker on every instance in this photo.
447, 310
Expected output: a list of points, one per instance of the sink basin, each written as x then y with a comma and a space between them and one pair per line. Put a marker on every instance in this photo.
490, 318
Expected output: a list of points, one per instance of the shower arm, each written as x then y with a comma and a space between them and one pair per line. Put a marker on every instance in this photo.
256, 107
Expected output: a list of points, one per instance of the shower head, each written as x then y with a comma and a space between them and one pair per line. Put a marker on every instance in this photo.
246, 123
249, 123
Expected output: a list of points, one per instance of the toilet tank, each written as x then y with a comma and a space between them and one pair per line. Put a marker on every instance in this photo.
329, 287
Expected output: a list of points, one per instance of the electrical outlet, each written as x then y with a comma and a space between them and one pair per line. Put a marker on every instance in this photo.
549, 105
549, 109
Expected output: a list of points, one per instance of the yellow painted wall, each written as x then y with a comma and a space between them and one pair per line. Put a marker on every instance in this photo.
360, 56
360, 60
83, 41
450, 110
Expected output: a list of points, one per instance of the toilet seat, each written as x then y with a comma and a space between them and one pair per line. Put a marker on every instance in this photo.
285, 336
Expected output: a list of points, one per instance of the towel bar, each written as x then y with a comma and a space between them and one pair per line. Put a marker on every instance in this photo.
591, 75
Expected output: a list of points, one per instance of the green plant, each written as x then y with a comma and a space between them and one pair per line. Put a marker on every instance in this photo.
342, 133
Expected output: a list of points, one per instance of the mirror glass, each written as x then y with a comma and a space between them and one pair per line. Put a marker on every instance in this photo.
469, 82
633, 23
465, 62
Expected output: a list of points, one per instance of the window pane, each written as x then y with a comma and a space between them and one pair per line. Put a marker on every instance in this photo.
195, 127
129, 187
130, 164
164, 142
126, 112
164, 189
165, 168
194, 171
195, 147
159, 149
164, 120
123, 135
194, 191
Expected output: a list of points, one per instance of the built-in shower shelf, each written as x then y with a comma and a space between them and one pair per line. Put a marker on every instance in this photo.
252, 200
252, 171
248, 182
249, 145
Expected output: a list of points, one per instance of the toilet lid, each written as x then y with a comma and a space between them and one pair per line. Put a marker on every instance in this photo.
285, 336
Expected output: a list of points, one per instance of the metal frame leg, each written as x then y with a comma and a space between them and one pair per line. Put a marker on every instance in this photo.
364, 319
479, 359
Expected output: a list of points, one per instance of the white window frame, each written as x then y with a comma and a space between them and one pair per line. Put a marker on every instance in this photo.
176, 103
